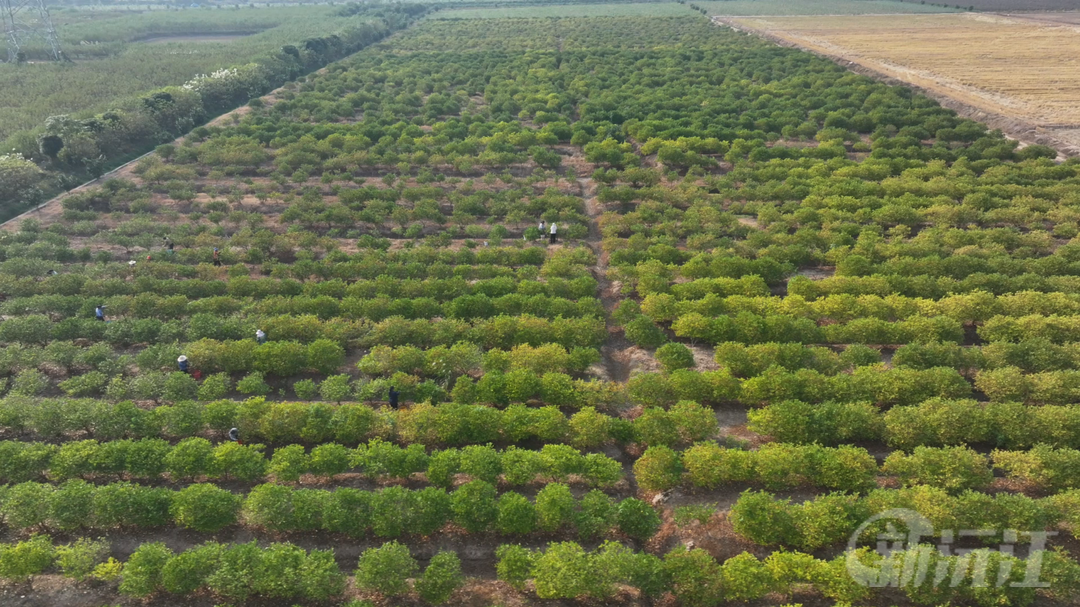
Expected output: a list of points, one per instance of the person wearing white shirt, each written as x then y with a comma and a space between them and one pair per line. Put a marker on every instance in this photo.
553, 229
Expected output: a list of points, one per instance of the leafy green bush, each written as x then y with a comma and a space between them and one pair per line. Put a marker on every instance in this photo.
325, 356
441, 578
20, 561
335, 388
305, 389
205, 507
253, 383
386, 569
78, 560
188, 571
674, 356
142, 571
658, 469
562, 571
951, 468
329, 459
554, 507
637, 519
214, 387
179, 386
29, 382
643, 332
474, 506
517, 515
514, 564
191, 457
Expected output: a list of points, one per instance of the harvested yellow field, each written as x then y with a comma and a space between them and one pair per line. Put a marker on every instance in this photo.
1015, 67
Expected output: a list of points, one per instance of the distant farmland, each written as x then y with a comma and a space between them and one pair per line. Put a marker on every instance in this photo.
1014, 67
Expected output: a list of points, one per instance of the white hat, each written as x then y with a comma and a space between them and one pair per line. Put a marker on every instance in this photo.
131, 263
181, 359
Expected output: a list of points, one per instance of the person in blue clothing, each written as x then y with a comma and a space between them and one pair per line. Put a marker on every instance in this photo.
182, 364
99, 312
393, 397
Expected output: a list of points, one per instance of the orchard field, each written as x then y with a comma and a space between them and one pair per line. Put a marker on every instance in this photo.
782, 298
1014, 68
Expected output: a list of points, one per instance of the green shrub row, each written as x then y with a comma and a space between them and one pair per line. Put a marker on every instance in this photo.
496, 332
306, 422
929, 286
234, 572
830, 520
459, 359
976, 306
1028, 355
1042, 388
197, 457
564, 570
885, 387
750, 328
567, 571
474, 506
774, 465
933, 422
145, 305
385, 513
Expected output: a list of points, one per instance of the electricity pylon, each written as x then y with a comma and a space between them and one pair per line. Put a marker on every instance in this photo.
25, 20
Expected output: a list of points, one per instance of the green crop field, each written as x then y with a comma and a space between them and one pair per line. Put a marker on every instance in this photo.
110, 63
823, 7
642, 9
628, 310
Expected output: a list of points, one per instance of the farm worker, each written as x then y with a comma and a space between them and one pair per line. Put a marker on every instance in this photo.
234, 435
541, 226
99, 312
147, 258
260, 336
553, 229
171, 248
217, 257
131, 263
393, 397
51, 273
182, 363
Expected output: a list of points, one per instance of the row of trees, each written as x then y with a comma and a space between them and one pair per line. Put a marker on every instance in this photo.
499, 331
466, 307
385, 513
316, 422
934, 422
196, 457
886, 387
977, 306
562, 570
832, 519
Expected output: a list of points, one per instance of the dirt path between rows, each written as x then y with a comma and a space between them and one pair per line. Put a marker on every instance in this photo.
616, 365
1024, 131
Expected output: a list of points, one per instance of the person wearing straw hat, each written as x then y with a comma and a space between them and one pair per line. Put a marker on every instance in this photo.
182, 363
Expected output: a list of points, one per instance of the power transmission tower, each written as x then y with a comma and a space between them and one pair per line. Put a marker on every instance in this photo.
25, 20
